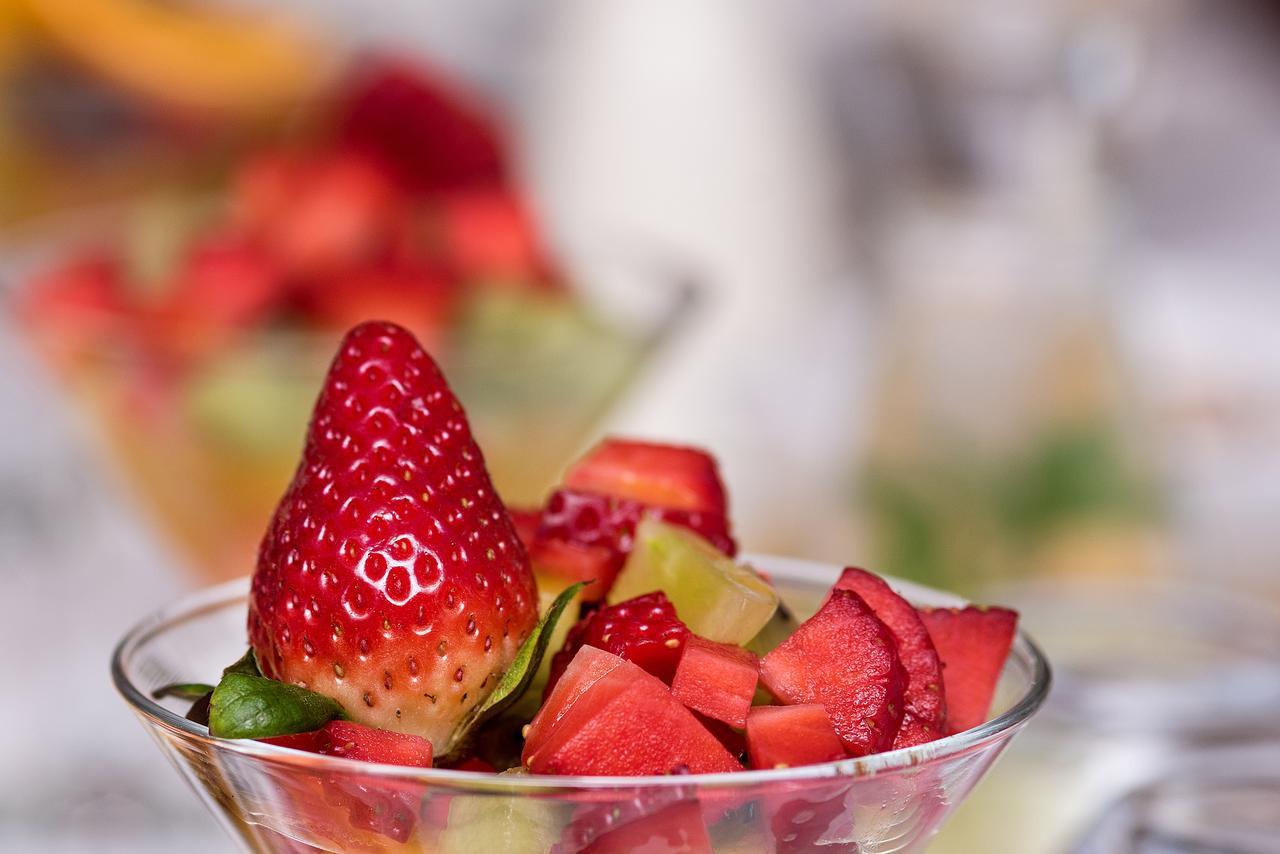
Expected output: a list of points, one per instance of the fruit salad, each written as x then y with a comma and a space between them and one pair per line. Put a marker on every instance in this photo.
196, 332
400, 613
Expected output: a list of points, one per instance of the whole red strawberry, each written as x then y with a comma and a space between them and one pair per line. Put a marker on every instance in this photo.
391, 577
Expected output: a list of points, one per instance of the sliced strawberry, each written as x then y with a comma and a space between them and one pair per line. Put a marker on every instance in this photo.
677, 829
661, 475
925, 715
422, 129
644, 630
845, 659
788, 736
567, 563
973, 644
627, 723
715, 679
601, 520
391, 577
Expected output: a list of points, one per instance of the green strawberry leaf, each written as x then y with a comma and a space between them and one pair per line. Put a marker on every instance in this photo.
248, 706
182, 690
516, 678
247, 664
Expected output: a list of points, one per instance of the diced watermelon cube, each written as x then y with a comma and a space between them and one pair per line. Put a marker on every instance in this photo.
570, 562
844, 658
716, 679
662, 475
627, 723
678, 829
588, 666
788, 736
351, 740
973, 644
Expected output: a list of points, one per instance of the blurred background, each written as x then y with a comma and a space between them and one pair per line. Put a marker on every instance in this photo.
979, 294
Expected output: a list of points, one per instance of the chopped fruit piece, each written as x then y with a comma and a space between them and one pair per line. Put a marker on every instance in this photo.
351, 740
475, 765
715, 679
593, 519
662, 475
717, 598
567, 562
422, 129
627, 723
844, 658
417, 298
787, 736
491, 237
799, 822
308, 741
644, 630
973, 644
778, 629
526, 522
76, 306
585, 668
925, 715
732, 739
480, 824
419, 594
678, 829
593, 820
566, 721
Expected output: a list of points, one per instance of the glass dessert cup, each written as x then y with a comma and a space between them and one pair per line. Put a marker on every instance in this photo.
274, 799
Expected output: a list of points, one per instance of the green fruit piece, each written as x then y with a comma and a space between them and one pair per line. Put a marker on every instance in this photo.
254, 400
715, 597
511, 823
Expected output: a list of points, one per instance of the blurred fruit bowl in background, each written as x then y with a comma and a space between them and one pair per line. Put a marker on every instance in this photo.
196, 327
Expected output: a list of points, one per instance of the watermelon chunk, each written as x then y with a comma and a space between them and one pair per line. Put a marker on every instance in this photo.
716, 679
662, 475
563, 563
973, 644
626, 723
585, 669
787, 736
925, 715
845, 659
677, 829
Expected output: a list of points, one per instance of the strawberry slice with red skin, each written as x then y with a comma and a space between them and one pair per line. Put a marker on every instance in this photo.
594, 519
790, 736
926, 708
422, 129
627, 723
391, 578
716, 679
644, 630
973, 644
671, 476
845, 659
350, 740
573, 562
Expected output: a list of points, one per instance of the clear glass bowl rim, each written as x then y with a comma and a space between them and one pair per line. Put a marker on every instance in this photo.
220, 595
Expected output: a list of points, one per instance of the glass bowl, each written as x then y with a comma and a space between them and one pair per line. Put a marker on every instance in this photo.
274, 799
209, 444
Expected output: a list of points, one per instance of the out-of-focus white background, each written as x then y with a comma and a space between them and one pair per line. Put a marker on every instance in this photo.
950, 256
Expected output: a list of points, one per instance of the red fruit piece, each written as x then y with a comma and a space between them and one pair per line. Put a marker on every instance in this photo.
316, 215
800, 821
585, 668
391, 578
78, 306
490, 236
678, 829
845, 659
306, 741
593, 519
662, 475
644, 630
573, 562
351, 740
791, 736
627, 723
526, 522
716, 679
926, 709
415, 297
973, 644
422, 129
475, 765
